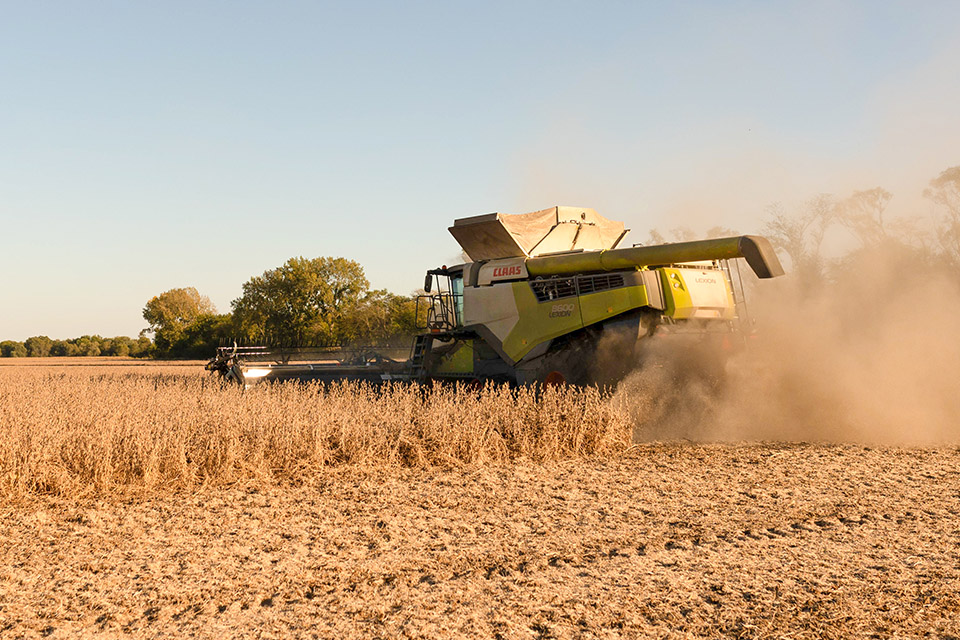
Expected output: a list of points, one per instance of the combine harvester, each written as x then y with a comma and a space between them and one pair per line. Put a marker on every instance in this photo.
548, 297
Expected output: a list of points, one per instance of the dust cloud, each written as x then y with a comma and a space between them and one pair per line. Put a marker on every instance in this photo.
868, 356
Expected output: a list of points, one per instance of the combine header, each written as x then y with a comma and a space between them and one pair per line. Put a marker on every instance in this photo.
548, 297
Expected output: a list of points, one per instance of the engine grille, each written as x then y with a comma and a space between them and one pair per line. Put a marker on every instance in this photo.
599, 282
555, 288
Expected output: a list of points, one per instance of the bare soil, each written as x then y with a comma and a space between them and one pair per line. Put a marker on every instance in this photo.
666, 540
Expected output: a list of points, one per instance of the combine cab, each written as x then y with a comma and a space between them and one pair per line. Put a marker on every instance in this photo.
548, 297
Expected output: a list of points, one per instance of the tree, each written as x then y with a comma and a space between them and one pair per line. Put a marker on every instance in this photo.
683, 234
720, 231
12, 349
38, 346
381, 318
686, 234
656, 237
862, 213
944, 190
201, 337
141, 348
302, 301
119, 346
169, 314
88, 345
677, 234
801, 236
64, 348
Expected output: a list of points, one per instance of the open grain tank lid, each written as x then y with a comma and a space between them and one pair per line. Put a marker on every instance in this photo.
553, 230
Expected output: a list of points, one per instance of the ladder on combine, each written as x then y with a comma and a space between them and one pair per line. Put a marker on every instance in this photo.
417, 357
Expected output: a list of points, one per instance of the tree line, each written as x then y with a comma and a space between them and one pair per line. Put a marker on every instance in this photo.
43, 346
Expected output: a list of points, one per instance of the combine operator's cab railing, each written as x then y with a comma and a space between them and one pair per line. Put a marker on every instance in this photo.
439, 312
442, 311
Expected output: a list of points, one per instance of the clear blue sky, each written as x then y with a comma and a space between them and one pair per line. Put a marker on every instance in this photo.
147, 146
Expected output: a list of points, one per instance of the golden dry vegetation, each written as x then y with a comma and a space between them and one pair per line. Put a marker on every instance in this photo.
156, 503
64, 433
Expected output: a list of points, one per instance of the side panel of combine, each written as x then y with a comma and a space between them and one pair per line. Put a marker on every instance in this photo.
493, 308
554, 307
540, 321
603, 305
696, 293
459, 359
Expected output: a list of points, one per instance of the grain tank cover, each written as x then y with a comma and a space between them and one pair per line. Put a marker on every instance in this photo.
526, 235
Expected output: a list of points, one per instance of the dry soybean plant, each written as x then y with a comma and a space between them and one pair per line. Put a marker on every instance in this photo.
76, 432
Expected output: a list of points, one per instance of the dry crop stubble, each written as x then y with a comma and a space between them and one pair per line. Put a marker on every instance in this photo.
737, 541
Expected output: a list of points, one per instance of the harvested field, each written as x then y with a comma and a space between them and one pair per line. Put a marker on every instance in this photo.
723, 540
517, 536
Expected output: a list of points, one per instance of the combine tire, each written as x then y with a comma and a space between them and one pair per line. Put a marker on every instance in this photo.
554, 379
567, 364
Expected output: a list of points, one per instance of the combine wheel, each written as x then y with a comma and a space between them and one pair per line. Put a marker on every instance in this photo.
567, 364
554, 379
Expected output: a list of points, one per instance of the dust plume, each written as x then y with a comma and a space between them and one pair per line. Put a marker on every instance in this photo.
869, 355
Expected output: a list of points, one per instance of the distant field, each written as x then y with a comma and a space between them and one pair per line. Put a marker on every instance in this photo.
152, 502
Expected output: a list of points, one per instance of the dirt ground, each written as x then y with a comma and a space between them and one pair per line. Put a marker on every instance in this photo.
670, 540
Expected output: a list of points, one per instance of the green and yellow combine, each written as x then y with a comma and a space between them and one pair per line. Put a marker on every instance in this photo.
546, 297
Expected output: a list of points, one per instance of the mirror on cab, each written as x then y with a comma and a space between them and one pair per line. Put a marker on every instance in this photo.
428, 282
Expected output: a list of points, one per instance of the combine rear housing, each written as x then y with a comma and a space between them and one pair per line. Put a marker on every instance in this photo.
548, 297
